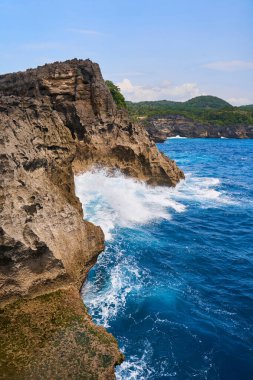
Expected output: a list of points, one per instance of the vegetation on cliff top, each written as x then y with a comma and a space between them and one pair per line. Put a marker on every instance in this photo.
208, 110
40, 334
116, 94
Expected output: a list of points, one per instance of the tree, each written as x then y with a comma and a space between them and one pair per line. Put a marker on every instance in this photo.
116, 94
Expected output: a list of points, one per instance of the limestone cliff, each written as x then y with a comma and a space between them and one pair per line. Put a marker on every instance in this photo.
76, 91
54, 120
162, 127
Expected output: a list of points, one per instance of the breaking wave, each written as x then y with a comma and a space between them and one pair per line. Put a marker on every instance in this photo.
174, 283
122, 279
111, 201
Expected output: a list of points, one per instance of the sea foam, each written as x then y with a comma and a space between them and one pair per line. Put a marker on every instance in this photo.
119, 202
160, 286
123, 278
111, 201
177, 137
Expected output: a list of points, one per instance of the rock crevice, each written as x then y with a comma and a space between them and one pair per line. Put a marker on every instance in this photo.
56, 120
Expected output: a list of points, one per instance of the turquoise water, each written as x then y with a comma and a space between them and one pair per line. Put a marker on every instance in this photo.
175, 284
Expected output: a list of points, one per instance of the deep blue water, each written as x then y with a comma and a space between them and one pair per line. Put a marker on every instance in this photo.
175, 284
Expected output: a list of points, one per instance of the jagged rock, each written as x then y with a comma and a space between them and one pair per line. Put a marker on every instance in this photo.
75, 90
44, 241
162, 127
56, 120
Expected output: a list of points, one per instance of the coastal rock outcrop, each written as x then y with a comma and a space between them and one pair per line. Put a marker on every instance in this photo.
162, 127
103, 135
44, 241
56, 120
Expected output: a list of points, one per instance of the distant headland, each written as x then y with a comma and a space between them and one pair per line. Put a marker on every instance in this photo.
202, 116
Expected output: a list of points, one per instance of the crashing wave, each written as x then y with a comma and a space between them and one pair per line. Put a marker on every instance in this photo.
119, 201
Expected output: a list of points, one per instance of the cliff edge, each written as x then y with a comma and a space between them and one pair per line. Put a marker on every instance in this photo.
161, 127
56, 120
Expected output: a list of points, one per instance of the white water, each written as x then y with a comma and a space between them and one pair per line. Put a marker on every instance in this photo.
119, 201
177, 137
123, 278
123, 202
136, 368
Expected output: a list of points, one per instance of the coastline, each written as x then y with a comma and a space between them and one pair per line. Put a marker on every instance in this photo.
161, 127
56, 122
160, 280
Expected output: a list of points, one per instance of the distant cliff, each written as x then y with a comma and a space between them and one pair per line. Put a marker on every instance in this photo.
162, 127
56, 120
202, 116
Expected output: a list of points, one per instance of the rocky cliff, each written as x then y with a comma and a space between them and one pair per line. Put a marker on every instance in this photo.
162, 127
56, 120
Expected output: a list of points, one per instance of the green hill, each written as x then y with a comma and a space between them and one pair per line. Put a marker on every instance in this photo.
208, 102
203, 109
198, 103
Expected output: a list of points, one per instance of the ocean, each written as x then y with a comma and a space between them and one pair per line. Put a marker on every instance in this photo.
175, 283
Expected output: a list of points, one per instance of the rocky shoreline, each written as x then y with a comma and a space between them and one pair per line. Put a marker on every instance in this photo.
57, 120
162, 127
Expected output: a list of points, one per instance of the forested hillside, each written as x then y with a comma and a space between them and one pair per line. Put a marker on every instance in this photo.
203, 109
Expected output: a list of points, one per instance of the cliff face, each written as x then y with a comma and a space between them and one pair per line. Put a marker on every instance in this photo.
162, 127
56, 120
44, 241
76, 91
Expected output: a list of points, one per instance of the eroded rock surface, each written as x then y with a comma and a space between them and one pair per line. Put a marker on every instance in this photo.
56, 120
53, 119
162, 127
44, 241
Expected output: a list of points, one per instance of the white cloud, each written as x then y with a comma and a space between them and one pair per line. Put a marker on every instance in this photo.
86, 31
230, 65
239, 101
166, 90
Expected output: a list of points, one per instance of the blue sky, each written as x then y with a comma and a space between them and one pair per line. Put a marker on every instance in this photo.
153, 49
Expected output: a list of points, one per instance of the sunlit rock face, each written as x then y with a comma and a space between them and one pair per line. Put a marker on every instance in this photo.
44, 241
54, 119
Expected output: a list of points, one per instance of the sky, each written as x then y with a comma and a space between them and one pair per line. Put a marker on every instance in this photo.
152, 49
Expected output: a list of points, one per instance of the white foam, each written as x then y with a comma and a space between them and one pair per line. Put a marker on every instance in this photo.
136, 368
119, 201
177, 137
122, 279
122, 201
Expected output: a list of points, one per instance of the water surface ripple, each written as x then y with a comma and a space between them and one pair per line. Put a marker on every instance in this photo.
175, 283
